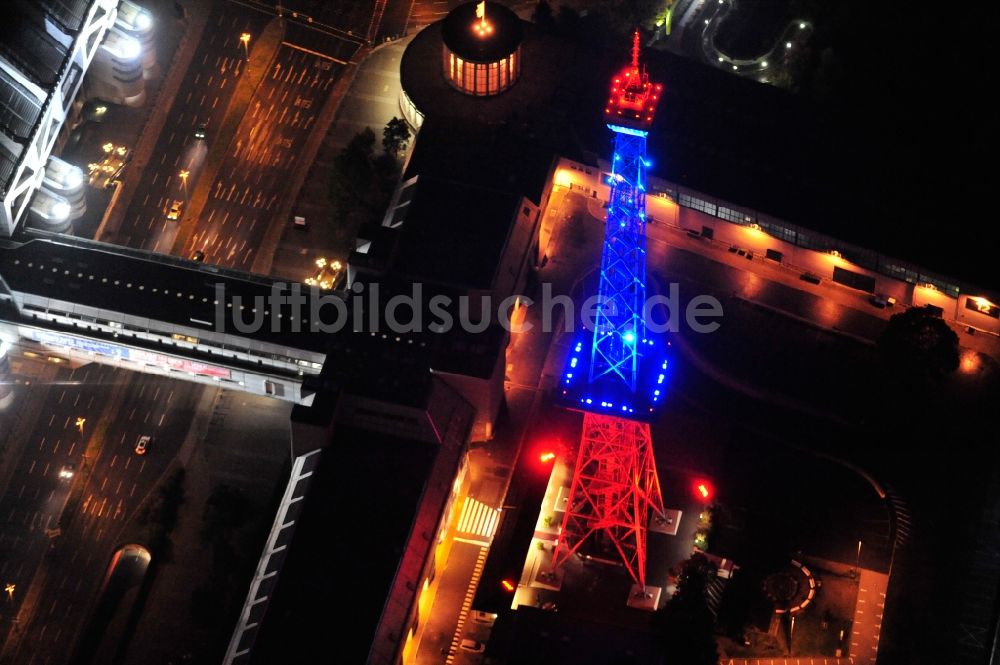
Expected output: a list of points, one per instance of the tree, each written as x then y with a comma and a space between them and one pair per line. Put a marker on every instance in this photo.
543, 17
160, 515
362, 182
395, 136
918, 344
685, 624
568, 21
226, 511
627, 15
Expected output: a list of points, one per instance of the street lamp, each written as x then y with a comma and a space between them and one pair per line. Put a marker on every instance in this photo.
184, 178
791, 631
79, 424
245, 38
857, 563
10, 591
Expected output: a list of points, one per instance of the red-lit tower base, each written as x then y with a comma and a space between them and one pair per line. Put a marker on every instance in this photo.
614, 488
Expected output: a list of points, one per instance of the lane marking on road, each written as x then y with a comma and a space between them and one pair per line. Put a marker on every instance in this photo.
315, 53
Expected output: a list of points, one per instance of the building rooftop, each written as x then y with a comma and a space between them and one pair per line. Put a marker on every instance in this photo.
453, 233
35, 39
468, 37
514, 155
26, 42
147, 285
540, 105
346, 549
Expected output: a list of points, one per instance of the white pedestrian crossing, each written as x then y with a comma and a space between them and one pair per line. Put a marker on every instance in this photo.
478, 518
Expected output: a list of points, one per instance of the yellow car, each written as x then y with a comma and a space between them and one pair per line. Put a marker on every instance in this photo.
175, 211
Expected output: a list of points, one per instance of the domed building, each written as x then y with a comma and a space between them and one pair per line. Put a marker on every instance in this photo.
472, 62
481, 48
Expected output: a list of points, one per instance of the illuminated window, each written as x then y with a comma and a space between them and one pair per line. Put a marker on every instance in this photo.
900, 272
779, 232
737, 216
983, 306
481, 80
493, 79
698, 204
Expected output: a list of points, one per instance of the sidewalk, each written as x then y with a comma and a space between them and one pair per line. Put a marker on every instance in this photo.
868, 617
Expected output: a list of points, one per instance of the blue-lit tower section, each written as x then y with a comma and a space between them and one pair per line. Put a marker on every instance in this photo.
615, 372
619, 328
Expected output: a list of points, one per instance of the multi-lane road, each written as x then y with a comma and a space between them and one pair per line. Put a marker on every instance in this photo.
204, 96
252, 180
57, 557
247, 189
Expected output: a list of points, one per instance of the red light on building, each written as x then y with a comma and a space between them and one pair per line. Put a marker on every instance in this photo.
547, 457
703, 490
508, 586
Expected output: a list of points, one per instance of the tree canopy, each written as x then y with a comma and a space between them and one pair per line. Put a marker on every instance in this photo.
918, 343
685, 624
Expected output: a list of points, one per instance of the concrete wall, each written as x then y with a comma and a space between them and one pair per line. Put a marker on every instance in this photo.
520, 252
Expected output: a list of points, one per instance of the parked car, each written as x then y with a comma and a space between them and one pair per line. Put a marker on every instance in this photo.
475, 646
484, 617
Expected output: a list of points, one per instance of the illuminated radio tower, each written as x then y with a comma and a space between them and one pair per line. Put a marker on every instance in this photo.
617, 380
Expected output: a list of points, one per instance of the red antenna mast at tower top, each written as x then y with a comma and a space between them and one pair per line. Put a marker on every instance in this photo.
633, 98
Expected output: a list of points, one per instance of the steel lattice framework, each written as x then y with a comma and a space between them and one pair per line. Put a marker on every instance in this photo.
615, 485
614, 488
619, 326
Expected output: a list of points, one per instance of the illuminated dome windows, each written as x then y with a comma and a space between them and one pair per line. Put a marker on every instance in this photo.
479, 79
481, 48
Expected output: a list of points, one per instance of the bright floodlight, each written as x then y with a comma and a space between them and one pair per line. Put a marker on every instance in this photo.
143, 20
60, 210
74, 178
130, 48
788, 45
